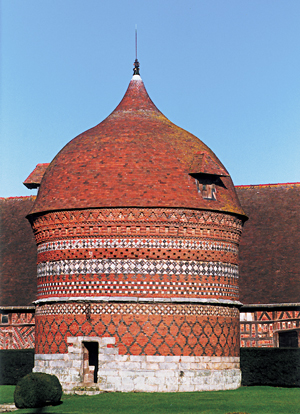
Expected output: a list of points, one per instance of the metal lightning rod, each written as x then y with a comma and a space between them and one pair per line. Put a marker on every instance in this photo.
136, 41
136, 70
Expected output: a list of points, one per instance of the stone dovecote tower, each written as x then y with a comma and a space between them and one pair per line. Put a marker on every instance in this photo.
137, 226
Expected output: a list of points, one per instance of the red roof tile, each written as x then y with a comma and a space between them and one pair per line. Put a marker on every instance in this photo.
269, 249
203, 163
135, 157
17, 253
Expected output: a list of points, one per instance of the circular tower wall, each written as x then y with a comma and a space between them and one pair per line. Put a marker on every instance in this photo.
137, 225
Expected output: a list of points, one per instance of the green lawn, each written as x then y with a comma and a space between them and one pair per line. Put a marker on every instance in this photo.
252, 400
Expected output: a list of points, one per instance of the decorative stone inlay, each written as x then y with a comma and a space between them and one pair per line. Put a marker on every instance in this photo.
150, 243
137, 266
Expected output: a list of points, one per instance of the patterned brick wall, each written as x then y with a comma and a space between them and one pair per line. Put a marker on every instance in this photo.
261, 328
142, 329
18, 332
137, 252
130, 257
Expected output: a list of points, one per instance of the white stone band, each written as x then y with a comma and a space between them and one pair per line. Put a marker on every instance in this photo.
138, 299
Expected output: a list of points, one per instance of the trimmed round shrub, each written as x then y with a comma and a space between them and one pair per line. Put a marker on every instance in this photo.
37, 390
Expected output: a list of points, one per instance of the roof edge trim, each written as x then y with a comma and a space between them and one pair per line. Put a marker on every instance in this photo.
18, 308
265, 185
270, 305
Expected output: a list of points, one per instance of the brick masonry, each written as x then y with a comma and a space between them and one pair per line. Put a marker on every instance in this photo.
138, 252
142, 329
106, 253
19, 330
82, 235
97, 269
261, 328
138, 247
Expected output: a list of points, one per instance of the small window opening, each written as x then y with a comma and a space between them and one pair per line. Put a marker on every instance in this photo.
4, 318
207, 185
208, 191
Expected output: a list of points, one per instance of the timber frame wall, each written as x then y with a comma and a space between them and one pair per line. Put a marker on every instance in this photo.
261, 325
17, 327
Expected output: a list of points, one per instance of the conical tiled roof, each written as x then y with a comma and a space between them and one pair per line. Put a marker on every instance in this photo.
136, 157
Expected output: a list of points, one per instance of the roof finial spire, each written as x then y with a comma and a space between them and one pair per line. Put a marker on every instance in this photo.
136, 70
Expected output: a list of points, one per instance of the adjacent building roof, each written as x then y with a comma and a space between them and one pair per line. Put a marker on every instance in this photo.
136, 157
17, 253
269, 249
270, 245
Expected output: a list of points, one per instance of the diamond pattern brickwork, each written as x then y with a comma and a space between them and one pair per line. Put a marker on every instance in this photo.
140, 252
166, 329
145, 253
137, 285
103, 308
137, 266
134, 243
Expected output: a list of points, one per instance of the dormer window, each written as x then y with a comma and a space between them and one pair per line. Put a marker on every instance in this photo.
207, 173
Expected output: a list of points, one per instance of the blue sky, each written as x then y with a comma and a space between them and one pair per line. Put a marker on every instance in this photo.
227, 71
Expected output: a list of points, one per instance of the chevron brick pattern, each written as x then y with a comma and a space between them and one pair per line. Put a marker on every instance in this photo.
19, 333
142, 223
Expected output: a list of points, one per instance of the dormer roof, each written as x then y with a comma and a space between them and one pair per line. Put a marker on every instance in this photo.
34, 179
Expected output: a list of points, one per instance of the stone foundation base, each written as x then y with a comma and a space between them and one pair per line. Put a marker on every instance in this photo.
140, 373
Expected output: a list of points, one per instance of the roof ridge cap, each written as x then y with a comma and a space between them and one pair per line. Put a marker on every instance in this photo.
266, 185
17, 197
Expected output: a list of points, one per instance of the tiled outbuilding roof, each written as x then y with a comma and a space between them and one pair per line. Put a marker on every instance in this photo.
136, 157
270, 244
17, 253
269, 250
